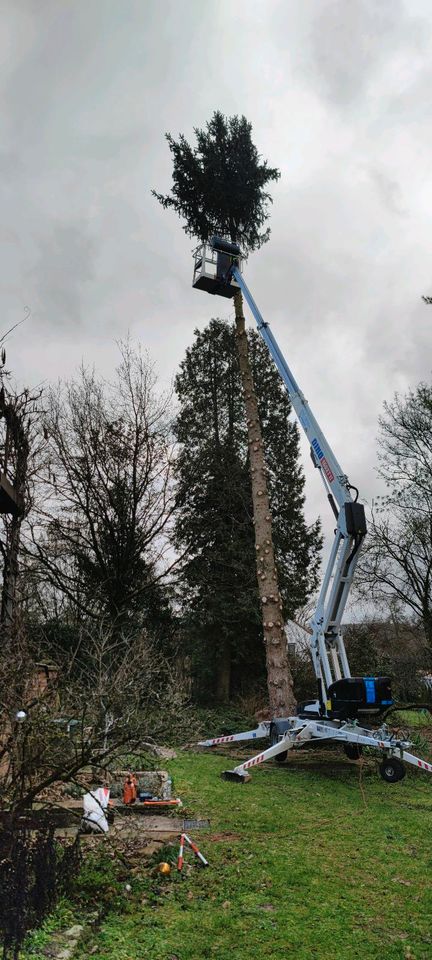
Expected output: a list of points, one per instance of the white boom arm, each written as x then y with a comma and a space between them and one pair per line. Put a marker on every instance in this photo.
327, 645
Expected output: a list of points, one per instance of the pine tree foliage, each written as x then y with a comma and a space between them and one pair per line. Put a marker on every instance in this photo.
219, 184
214, 507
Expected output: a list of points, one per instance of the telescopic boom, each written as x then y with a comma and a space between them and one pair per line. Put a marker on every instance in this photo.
327, 645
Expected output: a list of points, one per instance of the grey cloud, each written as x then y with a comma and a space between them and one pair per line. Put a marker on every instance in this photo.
346, 44
10, 164
62, 273
389, 191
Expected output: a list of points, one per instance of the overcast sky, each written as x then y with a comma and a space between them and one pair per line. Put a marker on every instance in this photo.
339, 95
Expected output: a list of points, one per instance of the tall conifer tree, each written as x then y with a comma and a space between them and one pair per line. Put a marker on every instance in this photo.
219, 186
220, 597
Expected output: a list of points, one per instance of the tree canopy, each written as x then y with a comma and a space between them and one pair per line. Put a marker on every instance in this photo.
219, 185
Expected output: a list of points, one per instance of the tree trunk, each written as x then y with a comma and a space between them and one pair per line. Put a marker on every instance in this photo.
427, 627
11, 564
10, 575
224, 672
279, 679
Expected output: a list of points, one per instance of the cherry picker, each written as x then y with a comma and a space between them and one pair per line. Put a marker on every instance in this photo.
344, 703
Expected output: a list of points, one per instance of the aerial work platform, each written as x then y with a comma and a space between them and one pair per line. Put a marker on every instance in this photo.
212, 263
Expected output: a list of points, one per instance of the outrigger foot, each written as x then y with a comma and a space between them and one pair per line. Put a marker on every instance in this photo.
235, 777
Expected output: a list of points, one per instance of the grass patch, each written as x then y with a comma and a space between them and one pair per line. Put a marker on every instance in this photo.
37, 943
305, 860
412, 718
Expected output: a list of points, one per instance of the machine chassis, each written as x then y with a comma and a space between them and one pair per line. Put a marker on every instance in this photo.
301, 732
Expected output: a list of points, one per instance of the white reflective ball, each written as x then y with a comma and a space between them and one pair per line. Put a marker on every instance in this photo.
20, 716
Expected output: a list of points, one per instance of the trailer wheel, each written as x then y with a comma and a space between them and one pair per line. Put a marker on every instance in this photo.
353, 750
275, 732
392, 770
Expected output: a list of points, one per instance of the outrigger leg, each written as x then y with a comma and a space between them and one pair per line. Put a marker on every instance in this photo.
261, 731
287, 742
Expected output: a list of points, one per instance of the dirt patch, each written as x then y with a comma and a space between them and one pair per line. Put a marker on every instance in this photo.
136, 840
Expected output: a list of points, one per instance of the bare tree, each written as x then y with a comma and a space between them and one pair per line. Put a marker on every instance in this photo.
101, 534
111, 694
397, 564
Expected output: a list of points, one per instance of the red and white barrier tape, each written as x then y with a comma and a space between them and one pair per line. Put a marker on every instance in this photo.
195, 850
180, 855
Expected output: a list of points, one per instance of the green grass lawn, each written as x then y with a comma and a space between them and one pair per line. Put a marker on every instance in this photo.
308, 860
412, 718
